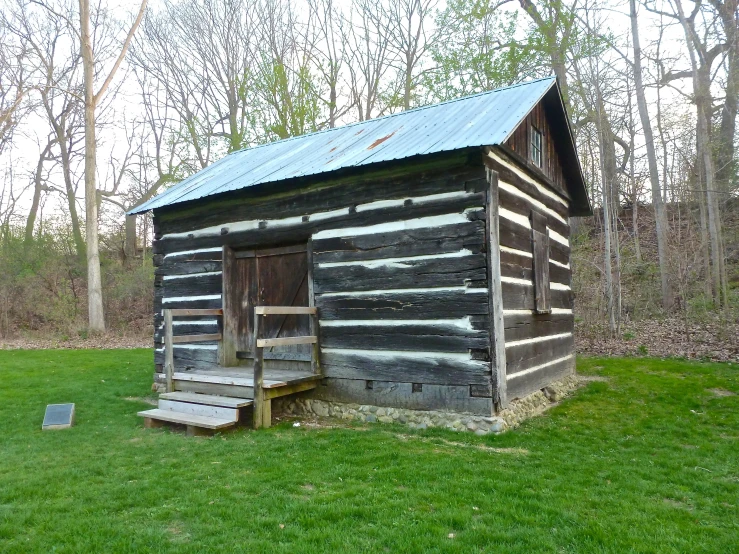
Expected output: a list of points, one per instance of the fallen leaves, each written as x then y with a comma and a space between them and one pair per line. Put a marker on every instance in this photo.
672, 337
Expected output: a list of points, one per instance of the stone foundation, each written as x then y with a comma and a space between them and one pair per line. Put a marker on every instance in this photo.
517, 411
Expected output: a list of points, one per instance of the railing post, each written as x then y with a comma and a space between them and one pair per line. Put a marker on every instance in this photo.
262, 413
168, 350
315, 361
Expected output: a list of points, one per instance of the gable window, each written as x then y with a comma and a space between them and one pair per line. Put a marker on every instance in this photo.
536, 146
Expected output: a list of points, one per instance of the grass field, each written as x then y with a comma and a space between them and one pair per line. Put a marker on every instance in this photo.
647, 461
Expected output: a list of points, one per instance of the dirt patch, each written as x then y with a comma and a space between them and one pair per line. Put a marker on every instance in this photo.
145, 400
484, 448
721, 392
592, 379
76, 343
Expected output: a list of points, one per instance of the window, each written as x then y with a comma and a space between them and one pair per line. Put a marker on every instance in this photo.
536, 146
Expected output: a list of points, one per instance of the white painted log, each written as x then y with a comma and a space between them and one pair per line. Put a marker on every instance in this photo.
541, 188
538, 367
508, 187
535, 340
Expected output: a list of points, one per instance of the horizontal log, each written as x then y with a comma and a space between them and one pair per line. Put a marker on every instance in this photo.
518, 327
286, 341
521, 297
523, 206
428, 176
182, 266
417, 336
404, 243
196, 312
430, 304
521, 267
416, 369
190, 358
438, 272
284, 310
177, 339
270, 232
405, 395
193, 286
506, 174
527, 383
518, 237
525, 356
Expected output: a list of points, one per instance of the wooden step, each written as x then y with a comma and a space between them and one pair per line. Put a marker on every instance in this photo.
241, 381
187, 419
208, 399
218, 412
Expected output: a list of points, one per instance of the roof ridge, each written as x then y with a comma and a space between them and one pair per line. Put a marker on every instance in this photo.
396, 114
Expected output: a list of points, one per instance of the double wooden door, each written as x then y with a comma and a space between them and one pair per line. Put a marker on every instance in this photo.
264, 277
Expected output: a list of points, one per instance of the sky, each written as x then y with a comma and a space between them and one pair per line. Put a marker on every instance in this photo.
112, 143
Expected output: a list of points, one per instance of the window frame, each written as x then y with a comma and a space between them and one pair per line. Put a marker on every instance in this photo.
536, 148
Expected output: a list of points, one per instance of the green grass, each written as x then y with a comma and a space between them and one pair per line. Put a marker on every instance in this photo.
645, 462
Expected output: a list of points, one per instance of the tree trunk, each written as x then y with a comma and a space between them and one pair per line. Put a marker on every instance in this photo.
94, 279
702, 94
129, 246
659, 209
608, 175
37, 187
725, 160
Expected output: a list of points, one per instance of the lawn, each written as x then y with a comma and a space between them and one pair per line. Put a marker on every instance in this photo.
645, 461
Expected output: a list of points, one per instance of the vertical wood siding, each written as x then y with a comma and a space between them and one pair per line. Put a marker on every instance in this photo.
539, 347
520, 143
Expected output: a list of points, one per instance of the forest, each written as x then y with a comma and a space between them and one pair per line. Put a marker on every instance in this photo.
103, 106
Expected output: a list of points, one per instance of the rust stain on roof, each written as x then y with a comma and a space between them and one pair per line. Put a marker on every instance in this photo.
334, 148
379, 141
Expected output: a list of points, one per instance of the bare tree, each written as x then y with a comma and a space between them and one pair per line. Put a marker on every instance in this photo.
371, 57
659, 209
92, 99
411, 38
701, 59
329, 53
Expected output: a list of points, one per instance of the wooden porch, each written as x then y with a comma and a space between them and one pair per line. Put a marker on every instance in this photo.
215, 399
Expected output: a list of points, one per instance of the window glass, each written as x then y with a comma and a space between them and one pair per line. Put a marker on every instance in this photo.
536, 146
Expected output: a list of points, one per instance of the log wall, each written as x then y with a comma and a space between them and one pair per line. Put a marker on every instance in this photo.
539, 348
399, 278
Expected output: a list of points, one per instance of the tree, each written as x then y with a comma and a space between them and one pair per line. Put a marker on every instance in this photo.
92, 99
659, 209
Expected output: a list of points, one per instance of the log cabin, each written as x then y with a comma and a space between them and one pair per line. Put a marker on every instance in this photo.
419, 260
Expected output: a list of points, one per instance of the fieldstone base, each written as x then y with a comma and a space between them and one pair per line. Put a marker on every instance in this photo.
517, 411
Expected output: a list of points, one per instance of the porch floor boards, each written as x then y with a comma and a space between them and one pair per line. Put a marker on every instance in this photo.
239, 377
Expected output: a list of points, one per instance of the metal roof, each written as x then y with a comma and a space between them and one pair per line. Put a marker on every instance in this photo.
484, 119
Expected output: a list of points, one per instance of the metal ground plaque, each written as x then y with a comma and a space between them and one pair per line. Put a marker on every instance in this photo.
58, 416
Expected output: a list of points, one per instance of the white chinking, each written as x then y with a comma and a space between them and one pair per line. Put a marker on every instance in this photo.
538, 367
545, 191
535, 340
397, 262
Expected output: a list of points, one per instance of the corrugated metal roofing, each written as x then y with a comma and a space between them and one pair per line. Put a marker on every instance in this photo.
484, 119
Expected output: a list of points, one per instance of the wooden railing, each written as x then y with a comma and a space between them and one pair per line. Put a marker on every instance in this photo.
262, 406
170, 340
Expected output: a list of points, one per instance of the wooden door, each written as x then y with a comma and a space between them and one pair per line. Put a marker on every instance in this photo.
283, 281
264, 277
